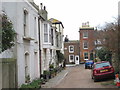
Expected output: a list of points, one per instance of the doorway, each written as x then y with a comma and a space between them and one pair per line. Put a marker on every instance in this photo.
77, 59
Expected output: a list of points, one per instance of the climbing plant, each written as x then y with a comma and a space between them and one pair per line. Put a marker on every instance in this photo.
7, 33
60, 57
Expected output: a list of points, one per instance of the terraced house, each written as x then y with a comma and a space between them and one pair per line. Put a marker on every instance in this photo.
51, 40
87, 42
71, 52
37, 44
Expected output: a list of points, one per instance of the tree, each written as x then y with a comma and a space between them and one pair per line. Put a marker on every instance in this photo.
104, 54
7, 33
110, 39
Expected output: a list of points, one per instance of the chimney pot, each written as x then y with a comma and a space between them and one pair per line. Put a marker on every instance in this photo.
41, 5
44, 8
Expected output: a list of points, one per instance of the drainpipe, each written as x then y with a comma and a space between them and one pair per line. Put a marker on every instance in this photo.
39, 45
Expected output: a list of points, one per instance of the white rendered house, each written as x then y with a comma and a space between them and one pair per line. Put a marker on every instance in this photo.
24, 16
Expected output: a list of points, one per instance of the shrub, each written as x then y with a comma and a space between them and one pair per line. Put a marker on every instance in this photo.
7, 34
33, 84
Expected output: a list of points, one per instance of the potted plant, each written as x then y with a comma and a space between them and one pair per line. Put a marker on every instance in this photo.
27, 79
46, 74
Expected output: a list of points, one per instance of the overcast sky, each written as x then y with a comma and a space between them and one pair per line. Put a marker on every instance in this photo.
72, 13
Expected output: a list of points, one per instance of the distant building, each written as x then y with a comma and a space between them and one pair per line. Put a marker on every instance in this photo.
71, 52
87, 45
58, 39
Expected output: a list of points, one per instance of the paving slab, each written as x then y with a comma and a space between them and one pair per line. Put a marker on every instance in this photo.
56, 80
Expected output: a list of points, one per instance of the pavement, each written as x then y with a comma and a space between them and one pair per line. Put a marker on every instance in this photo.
56, 80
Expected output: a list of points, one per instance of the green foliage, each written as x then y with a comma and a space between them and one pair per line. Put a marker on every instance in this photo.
51, 66
7, 34
104, 54
46, 72
60, 57
33, 84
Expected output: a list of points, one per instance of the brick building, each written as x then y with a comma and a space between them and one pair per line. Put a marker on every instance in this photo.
71, 52
87, 46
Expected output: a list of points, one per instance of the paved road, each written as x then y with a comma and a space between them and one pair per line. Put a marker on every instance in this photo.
78, 77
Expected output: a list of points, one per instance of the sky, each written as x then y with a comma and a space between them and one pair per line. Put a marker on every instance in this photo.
72, 13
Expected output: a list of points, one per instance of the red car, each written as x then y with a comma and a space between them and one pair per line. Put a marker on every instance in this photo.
101, 70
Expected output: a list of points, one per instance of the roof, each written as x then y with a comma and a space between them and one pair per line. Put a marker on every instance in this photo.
55, 21
86, 28
33, 4
73, 41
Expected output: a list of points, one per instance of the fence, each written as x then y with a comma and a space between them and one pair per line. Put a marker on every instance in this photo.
8, 73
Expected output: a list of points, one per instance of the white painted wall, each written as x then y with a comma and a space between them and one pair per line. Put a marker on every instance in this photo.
14, 11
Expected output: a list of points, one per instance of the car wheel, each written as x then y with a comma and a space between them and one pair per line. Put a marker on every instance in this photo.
95, 80
113, 77
85, 67
92, 77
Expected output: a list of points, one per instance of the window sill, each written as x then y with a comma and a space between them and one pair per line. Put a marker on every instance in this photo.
36, 41
85, 37
85, 59
28, 38
85, 48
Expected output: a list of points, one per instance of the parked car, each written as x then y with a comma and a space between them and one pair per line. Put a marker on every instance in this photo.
102, 70
88, 64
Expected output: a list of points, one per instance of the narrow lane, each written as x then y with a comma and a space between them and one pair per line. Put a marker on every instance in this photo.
78, 77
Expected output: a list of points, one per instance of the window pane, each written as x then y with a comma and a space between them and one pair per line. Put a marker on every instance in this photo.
86, 55
100, 65
25, 23
71, 57
45, 33
85, 34
85, 44
45, 37
71, 49
45, 28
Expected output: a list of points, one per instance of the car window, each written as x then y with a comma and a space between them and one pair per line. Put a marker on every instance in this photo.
100, 65
89, 61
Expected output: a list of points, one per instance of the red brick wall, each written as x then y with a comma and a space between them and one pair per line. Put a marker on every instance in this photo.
90, 40
66, 50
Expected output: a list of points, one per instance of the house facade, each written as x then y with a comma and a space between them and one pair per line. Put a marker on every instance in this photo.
71, 52
38, 40
51, 40
87, 42
24, 16
58, 40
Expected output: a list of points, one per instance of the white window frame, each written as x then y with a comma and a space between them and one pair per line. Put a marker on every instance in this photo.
46, 33
25, 22
70, 58
70, 49
84, 55
85, 36
35, 28
85, 45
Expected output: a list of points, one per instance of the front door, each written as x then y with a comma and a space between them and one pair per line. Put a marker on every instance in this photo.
76, 59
